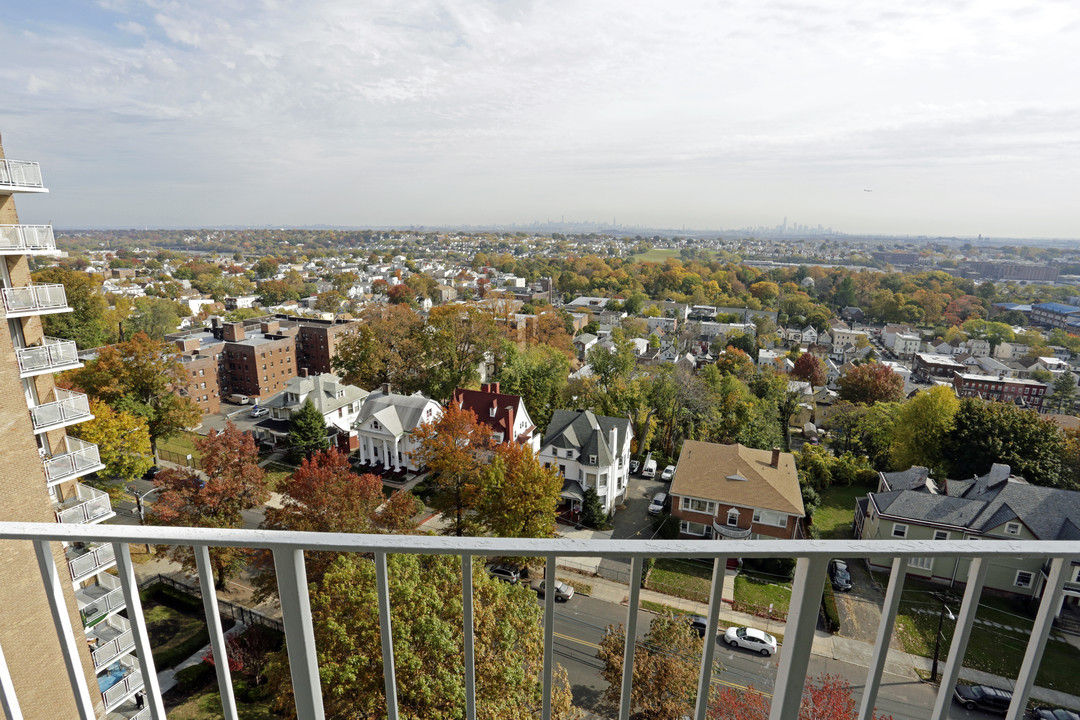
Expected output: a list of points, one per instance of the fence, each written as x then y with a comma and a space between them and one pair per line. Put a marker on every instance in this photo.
239, 613
177, 459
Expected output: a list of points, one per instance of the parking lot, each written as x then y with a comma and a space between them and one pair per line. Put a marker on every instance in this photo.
632, 519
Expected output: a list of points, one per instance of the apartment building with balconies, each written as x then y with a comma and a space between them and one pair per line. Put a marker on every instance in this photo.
40, 482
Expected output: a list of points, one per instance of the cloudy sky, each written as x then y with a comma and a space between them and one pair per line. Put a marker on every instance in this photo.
962, 117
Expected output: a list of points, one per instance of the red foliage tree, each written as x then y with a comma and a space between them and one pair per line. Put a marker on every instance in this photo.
826, 697
808, 367
870, 383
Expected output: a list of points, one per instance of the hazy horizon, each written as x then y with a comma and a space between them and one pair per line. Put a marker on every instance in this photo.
954, 114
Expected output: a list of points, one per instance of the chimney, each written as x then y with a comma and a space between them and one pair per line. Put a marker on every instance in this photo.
270, 327
612, 444
484, 387
302, 372
386, 388
775, 457
493, 387
233, 332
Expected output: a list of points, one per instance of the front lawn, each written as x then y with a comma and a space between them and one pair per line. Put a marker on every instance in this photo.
681, 578
206, 705
182, 443
834, 516
755, 593
276, 474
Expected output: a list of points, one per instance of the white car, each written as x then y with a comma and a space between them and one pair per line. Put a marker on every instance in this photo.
657, 505
669, 472
751, 639
259, 411
563, 592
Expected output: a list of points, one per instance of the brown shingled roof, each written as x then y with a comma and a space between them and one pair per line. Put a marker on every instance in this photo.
738, 475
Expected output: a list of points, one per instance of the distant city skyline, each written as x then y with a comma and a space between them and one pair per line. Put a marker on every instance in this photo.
944, 118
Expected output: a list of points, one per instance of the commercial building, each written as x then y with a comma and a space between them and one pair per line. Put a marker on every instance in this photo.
1019, 391
42, 466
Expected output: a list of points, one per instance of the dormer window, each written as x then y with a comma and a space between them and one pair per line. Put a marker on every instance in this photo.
733, 517
592, 459
1012, 528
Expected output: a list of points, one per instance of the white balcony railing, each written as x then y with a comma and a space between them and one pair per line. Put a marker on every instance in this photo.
36, 299
68, 408
97, 601
52, 355
16, 174
89, 505
288, 548
733, 533
26, 239
81, 458
85, 561
109, 640
123, 679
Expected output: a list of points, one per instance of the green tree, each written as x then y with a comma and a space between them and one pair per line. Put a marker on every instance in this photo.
426, 616
156, 317
458, 336
922, 428
85, 324
123, 442
1064, 392
307, 432
389, 347
538, 374
613, 366
870, 383
592, 510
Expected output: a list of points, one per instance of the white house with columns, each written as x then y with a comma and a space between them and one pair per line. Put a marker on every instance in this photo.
385, 424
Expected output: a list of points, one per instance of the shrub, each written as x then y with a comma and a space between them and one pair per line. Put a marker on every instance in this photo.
193, 677
828, 604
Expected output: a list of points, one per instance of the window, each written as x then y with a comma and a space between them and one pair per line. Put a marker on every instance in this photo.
941, 535
923, 563
603, 480
1012, 528
695, 505
771, 517
491, 412
733, 517
1023, 579
562, 470
692, 528
1076, 574
899, 530
592, 459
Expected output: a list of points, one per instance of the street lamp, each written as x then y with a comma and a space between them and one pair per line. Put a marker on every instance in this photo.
937, 639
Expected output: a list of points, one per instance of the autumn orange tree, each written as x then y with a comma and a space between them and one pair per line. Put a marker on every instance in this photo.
123, 442
870, 383
826, 697
234, 482
518, 495
455, 449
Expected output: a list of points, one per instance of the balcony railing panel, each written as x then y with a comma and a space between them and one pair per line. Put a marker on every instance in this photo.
51, 355
84, 562
727, 531
68, 408
81, 458
98, 600
112, 639
20, 174
89, 504
126, 678
22, 239
812, 557
34, 299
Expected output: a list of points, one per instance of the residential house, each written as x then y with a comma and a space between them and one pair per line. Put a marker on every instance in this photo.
338, 403
905, 345
591, 451
582, 343
995, 506
384, 428
732, 491
1007, 351
504, 414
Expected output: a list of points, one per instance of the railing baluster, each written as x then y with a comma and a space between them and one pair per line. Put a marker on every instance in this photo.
716, 594
802, 615
630, 638
386, 632
958, 647
1053, 592
122, 552
549, 635
217, 637
54, 591
884, 635
8, 702
299, 633
467, 620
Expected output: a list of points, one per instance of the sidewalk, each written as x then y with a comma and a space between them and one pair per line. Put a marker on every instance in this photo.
834, 647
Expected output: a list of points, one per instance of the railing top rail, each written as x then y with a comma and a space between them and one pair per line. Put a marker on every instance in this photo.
565, 547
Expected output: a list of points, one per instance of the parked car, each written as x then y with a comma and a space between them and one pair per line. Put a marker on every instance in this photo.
151, 473
669, 472
751, 639
563, 592
697, 623
634, 465
649, 468
839, 575
983, 697
506, 573
1054, 714
658, 502
259, 411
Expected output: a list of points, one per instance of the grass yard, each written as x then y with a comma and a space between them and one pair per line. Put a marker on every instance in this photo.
659, 608
277, 473
834, 516
174, 636
757, 591
182, 443
991, 649
657, 255
206, 705
681, 578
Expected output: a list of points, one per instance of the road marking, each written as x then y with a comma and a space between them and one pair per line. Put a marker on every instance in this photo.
715, 680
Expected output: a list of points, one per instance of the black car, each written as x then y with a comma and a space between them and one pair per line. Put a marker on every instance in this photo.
983, 697
697, 622
506, 573
839, 575
1054, 714
151, 473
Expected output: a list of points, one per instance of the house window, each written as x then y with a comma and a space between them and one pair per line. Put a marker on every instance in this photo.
562, 470
1023, 579
701, 506
899, 530
569, 453
1076, 574
941, 535
1012, 528
923, 563
692, 528
491, 412
771, 517
592, 459
603, 480
733, 517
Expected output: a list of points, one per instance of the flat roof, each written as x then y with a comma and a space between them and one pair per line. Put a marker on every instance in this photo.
994, 378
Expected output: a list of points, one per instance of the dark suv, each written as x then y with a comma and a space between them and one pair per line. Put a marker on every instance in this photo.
984, 697
506, 573
839, 575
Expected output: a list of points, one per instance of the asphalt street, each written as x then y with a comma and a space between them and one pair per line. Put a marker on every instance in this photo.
580, 625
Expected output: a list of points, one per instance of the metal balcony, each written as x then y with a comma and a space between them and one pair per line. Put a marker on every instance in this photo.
86, 560
36, 299
288, 548
89, 505
27, 240
51, 356
109, 640
67, 408
81, 458
100, 599
20, 176
732, 533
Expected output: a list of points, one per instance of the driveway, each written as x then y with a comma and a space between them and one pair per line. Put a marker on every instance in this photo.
632, 521
860, 608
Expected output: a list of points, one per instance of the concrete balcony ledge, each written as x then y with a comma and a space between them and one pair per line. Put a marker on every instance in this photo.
89, 505
36, 299
20, 176
100, 600
67, 408
27, 240
120, 682
86, 561
81, 458
51, 356
110, 640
